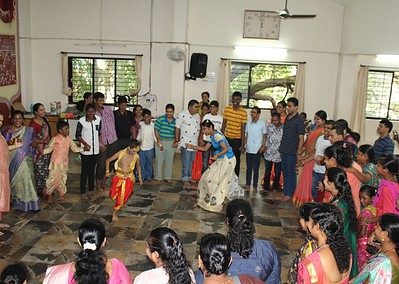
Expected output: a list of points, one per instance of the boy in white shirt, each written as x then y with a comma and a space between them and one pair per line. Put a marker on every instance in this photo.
319, 168
217, 121
147, 150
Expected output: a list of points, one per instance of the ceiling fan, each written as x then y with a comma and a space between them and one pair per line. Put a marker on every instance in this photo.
285, 14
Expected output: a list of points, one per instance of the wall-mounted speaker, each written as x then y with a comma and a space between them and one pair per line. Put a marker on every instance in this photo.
198, 64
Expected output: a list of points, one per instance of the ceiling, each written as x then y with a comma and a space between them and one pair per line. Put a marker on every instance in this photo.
342, 2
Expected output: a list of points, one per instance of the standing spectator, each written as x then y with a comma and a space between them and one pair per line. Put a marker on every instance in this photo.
148, 139
138, 117
108, 137
165, 151
81, 105
124, 122
88, 133
274, 133
187, 133
42, 136
234, 120
254, 145
213, 116
204, 99
319, 168
384, 144
290, 147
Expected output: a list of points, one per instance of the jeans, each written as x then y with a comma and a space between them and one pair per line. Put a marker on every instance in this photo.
316, 178
268, 171
253, 163
235, 144
288, 166
164, 157
146, 157
187, 160
88, 166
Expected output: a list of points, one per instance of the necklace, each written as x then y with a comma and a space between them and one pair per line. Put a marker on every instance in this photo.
391, 178
227, 281
388, 250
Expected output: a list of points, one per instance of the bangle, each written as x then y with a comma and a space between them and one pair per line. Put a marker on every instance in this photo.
107, 172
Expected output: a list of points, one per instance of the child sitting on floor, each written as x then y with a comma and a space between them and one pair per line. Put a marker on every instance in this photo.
59, 146
123, 181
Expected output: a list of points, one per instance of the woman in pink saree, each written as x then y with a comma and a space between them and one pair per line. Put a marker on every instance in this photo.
303, 192
91, 266
331, 262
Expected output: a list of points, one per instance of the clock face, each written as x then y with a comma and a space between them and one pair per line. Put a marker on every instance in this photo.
261, 24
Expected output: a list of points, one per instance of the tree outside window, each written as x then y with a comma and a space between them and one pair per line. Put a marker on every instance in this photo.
111, 76
257, 81
382, 95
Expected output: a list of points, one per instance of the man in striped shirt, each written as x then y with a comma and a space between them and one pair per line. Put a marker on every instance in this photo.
384, 144
234, 120
165, 149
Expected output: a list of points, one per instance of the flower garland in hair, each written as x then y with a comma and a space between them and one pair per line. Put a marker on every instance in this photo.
90, 246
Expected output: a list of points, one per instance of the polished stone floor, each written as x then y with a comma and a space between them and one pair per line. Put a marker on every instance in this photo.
49, 237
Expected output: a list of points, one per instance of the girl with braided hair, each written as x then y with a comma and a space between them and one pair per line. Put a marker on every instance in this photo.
91, 265
214, 260
331, 262
337, 184
165, 250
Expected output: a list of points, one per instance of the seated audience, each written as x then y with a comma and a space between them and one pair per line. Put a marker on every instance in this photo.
214, 261
309, 245
384, 266
91, 265
165, 250
15, 274
331, 262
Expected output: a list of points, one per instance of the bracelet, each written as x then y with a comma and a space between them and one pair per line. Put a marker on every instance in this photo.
107, 172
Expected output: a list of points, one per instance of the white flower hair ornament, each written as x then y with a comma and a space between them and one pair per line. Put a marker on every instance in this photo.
90, 246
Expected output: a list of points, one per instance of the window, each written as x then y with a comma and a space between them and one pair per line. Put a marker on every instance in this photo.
383, 95
257, 80
111, 76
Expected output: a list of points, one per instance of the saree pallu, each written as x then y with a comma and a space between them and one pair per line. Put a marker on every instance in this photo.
41, 162
377, 270
121, 189
4, 177
22, 179
362, 255
214, 184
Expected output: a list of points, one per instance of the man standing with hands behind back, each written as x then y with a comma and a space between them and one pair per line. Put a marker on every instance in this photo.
290, 147
234, 120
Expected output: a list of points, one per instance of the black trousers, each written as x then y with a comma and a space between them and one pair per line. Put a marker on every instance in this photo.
268, 171
88, 166
103, 156
253, 163
235, 144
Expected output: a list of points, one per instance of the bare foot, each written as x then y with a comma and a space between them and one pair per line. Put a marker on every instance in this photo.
4, 226
62, 199
114, 217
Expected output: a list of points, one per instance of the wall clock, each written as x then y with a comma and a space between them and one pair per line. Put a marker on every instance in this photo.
261, 24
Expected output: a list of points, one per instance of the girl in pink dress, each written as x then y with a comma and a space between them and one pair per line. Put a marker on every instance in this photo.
91, 266
366, 198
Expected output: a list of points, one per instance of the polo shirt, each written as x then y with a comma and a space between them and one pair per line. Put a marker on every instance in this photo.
254, 132
90, 132
189, 125
123, 122
383, 146
234, 121
293, 127
165, 128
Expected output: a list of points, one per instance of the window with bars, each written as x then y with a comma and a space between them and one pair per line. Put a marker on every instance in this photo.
111, 76
383, 95
256, 81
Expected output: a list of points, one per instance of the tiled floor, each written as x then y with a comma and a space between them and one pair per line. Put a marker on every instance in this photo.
49, 236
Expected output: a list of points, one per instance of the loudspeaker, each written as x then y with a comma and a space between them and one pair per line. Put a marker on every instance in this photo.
198, 64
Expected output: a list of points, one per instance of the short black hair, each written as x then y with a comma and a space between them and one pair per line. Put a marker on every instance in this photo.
276, 114
205, 93
61, 124
146, 111
98, 95
237, 94
329, 122
170, 106
257, 109
214, 103
133, 143
93, 106
293, 100
387, 124
192, 102
14, 274
87, 95
121, 100
205, 105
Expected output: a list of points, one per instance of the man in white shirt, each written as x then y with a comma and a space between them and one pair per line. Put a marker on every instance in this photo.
147, 150
319, 168
255, 139
187, 133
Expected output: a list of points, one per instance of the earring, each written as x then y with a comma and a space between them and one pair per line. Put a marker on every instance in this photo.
382, 240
